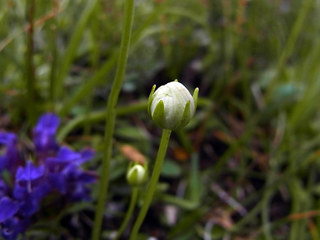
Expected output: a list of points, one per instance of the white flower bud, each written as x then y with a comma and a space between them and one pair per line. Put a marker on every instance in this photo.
137, 174
172, 106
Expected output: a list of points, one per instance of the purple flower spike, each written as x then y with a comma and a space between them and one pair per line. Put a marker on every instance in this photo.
44, 135
55, 168
8, 208
30, 187
10, 159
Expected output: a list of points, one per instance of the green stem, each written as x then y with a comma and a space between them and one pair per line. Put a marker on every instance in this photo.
111, 117
54, 56
30, 68
99, 76
133, 201
153, 182
99, 116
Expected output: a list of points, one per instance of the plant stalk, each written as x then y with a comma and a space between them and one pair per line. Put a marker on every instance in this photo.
153, 182
111, 117
133, 201
30, 68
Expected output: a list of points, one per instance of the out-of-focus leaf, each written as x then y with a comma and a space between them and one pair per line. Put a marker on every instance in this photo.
132, 154
170, 169
132, 133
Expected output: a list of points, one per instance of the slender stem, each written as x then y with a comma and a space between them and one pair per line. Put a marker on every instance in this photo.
54, 55
153, 182
134, 196
111, 117
99, 116
98, 77
30, 68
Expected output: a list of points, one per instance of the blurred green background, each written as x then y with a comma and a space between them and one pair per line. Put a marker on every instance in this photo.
246, 167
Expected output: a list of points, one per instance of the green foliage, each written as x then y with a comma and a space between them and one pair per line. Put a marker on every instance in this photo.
255, 135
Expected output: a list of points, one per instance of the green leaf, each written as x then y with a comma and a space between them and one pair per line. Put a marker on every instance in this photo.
170, 169
132, 133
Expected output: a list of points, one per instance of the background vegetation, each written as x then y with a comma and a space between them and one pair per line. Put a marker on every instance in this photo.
246, 167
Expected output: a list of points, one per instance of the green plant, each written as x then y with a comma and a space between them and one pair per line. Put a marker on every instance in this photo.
170, 107
111, 117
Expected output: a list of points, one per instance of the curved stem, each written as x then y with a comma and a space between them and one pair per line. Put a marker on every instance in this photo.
99, 116
111, 117
133, 201
153, 182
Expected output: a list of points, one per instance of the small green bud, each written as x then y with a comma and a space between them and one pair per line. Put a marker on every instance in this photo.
172, 106
137, 174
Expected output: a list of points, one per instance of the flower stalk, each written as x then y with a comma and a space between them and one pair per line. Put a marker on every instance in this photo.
153, 182
137, 175
170, 107
133, 201
111, 117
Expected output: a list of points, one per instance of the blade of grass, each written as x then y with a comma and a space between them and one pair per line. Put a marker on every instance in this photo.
30, 67
292, 39
72, 47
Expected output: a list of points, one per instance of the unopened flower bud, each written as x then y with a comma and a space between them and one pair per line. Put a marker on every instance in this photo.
137, 174
172, 105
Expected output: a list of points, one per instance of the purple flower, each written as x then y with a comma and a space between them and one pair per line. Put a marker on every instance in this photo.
8, 208
9, 224
44, 135
55, 167
77, 182
10, 159
65, 174
30, 187
11, 228
65, 157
